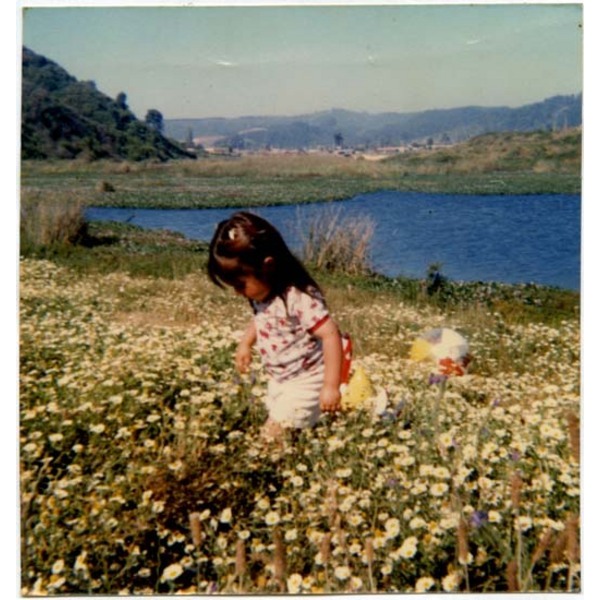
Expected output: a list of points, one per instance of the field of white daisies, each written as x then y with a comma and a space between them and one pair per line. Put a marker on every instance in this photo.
142, 471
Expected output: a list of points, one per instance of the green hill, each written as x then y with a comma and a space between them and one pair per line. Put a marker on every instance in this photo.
65, 118
535, 152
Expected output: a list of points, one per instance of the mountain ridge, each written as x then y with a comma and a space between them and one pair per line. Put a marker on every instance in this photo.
363, 128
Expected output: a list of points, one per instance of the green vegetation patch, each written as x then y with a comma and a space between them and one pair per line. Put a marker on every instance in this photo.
509, 154
246, 182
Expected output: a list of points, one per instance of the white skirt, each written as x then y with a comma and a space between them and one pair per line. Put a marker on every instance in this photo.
295, 402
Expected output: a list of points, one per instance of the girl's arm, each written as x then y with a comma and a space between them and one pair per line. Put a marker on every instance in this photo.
332, 353
243, 355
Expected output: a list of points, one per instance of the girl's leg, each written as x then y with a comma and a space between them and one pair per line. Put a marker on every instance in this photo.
272, 431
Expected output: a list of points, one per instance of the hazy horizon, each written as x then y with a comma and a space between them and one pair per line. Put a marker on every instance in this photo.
194, 62
373, 113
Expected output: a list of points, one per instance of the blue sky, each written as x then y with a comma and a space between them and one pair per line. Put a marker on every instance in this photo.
224, 61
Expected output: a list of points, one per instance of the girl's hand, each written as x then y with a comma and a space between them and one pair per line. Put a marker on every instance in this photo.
330, 399
243, 354
243, 357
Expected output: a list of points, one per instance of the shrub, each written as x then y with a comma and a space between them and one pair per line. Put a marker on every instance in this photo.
337, 243
50, 221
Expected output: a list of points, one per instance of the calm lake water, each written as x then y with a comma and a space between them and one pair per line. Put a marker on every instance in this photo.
511, 239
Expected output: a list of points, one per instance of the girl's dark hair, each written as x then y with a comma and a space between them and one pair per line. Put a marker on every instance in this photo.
240, 246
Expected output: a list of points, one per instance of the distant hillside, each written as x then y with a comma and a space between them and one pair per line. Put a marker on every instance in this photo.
362, 129
66, 118
556, 152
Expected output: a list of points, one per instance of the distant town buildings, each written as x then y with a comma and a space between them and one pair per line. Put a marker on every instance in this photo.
210, 146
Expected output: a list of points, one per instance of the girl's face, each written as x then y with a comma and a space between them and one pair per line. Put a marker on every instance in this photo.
244, 280
251, 287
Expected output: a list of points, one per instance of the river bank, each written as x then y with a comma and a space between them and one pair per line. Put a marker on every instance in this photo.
112, 247
511, 239
273, 180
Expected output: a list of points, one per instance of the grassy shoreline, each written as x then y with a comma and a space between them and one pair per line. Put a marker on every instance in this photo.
117, 247
268, 181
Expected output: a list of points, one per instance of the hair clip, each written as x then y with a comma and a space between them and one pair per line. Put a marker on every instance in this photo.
232, 234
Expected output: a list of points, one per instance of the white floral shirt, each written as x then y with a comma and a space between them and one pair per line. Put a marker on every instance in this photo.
284, 332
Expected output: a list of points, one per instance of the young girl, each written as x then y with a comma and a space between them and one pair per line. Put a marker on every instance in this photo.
298, 342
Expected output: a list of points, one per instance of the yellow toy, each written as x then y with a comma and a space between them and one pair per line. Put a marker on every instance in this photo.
358, 390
